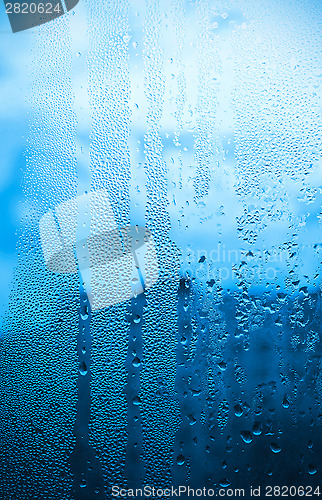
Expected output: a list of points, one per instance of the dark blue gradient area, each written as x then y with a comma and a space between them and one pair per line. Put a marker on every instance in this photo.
180, 358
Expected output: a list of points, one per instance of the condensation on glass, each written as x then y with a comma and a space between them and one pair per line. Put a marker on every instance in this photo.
200, 121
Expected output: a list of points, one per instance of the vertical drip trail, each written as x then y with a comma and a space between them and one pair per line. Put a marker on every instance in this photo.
160, 410
206, 105
85, 465
79, 79
184, 441
86, 468
109, 89
134, 470
191, 448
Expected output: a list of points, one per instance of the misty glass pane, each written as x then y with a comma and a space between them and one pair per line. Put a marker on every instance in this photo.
163, 326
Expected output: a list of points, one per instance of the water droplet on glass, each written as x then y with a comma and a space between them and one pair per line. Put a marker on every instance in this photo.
84, 313
275, 448
136, 362
83, 368
257, 428
191, 419
312, 469
222, 365
285, 402
82, 484
238, 411
246, 436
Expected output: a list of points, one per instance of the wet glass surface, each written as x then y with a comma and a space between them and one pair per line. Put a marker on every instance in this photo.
163, 326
